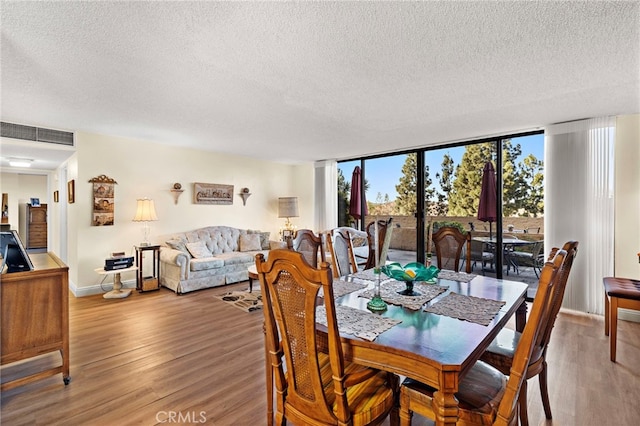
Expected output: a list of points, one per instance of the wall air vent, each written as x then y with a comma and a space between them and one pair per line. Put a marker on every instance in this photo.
37, 134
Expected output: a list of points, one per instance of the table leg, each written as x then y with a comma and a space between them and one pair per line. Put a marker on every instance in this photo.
521, 317
117, 292
445, 407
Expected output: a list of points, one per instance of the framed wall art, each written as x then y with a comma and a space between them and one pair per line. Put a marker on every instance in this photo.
103, 200
212, 193
71, 191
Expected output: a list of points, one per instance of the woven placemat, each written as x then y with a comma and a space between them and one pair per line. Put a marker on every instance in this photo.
362, 324
341, 287
456, 276
467, 308
389, 293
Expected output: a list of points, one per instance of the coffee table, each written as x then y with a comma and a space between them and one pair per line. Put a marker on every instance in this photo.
253, 275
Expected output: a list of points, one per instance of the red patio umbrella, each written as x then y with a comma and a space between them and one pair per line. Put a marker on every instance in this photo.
487, 206
357, 203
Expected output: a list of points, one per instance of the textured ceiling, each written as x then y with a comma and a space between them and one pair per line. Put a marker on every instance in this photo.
300, 81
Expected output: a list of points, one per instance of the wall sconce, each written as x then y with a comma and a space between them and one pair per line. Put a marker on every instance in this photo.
176, 191
244, 193
145, 212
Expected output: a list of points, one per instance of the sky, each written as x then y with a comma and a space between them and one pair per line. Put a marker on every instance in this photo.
383, 174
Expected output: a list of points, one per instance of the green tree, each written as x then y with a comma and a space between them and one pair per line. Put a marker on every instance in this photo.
344, 189
530, 192
465, 189
408, 185
445, 178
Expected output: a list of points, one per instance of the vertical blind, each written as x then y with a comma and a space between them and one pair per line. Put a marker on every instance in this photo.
579, 204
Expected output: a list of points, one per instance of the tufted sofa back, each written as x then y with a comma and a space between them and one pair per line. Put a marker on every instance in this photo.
218, 239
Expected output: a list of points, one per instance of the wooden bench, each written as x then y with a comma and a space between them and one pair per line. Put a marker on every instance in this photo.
618, 293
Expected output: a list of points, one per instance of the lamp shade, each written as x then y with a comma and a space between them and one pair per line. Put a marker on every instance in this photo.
288, 207
145, 211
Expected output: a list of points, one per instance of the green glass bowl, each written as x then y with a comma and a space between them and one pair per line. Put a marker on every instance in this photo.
410, 273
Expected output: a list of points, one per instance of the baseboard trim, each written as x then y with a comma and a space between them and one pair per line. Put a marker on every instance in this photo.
98, 289
628, 315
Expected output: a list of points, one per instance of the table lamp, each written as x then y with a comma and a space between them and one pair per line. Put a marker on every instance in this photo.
288, 208
145, 212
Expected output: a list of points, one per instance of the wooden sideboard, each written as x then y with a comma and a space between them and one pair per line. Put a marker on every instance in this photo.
35, 316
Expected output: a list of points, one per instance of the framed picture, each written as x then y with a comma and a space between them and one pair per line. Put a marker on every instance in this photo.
71, 191
56, 196
103, 201
212, 193
35, 202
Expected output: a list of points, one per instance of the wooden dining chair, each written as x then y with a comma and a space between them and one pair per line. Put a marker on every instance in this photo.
500, 353
310, 245
315, 387
384, 238
341, 249
450, 244
485, 395
618, 293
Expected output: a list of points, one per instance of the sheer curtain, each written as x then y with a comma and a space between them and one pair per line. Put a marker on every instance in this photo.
326, 195
579, 204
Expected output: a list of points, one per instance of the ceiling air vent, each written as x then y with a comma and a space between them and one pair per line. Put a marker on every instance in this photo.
37, 134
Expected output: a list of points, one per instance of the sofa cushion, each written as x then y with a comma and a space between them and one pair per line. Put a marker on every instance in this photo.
250, 242
235, 258
198, 249
205, 263
264, 238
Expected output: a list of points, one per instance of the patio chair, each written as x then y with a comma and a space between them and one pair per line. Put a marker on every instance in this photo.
533, 258
316, 386
480, 253
450, 244
487, 396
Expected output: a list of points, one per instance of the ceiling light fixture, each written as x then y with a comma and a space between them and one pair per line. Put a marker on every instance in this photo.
20, 162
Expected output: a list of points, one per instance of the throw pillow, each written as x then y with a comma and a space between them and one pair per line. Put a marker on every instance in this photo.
264, 240
198, 249
177, 245
250, 242
278, 245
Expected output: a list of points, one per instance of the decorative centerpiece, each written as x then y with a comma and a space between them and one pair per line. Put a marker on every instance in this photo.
410, 273
377, 304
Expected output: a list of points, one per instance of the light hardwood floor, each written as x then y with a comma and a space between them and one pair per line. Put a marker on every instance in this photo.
137, 360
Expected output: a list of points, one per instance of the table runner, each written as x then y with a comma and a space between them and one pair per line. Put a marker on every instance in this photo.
389, 293
362, 324
456, 276
467, 308
341, 287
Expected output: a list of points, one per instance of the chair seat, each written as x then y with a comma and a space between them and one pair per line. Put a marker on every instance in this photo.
624, 288
479, 394
500, 352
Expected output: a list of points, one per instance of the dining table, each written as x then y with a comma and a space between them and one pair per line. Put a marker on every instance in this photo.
433, 348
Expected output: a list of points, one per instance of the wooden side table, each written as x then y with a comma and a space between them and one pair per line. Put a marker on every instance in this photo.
117, 292
151, 282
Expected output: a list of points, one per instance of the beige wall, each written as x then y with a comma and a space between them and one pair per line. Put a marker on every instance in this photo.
627, 201
146, 169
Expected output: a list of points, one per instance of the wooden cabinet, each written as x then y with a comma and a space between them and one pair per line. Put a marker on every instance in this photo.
36, 223
33, 225
35, 317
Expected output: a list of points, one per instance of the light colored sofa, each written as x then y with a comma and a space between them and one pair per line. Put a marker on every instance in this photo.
209, 257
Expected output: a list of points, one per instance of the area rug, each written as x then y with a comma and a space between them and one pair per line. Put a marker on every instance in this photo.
244, 300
